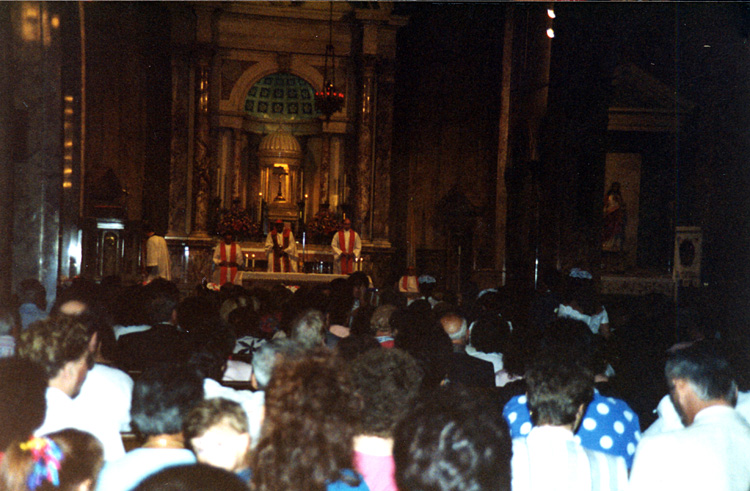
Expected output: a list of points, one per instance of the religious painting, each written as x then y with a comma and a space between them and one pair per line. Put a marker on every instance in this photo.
619, 234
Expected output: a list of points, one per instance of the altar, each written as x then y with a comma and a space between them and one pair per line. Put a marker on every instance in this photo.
265, 279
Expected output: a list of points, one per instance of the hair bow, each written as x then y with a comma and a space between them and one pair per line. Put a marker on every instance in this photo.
47, 457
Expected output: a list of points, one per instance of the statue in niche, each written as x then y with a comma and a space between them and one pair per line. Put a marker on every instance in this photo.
615, 215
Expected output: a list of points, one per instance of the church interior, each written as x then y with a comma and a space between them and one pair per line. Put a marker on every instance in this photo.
478, 142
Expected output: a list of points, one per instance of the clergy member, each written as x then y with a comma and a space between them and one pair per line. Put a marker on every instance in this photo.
281, 249
347, 247
228, 257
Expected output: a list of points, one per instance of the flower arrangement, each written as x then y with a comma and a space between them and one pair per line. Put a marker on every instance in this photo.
237, 222
322, 226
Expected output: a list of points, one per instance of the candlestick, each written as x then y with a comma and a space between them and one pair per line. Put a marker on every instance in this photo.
253, 262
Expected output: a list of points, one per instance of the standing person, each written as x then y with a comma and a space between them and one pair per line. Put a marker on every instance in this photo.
281, 249
712, 451
558, 390
308, 433
227, 257
347, 246
157, 256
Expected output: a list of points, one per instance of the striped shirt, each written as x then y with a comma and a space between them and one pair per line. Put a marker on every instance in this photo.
550, 458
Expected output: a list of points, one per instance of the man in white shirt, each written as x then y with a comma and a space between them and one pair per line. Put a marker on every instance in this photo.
347, 246
550, 457
711, 451
157, 256
65, 348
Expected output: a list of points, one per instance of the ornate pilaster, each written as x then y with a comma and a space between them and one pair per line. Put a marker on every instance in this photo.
237, 185
202, 157
364, 149
179, 198
325, 168
383, 145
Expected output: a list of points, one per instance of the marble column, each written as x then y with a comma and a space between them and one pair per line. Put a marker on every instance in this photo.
202, 155
383, 146
6, 154
180, 193
237, 184
36, 142
325, 168
364, 150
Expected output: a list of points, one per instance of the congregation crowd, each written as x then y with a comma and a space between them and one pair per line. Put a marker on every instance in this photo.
332, 387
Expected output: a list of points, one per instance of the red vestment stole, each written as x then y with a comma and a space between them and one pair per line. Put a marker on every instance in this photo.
226, 273
277, 258
347, 264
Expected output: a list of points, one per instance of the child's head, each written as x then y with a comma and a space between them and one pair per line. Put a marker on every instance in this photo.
217, 432
67, 460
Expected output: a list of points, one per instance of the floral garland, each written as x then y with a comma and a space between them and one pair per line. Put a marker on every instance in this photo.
237, 222
322, 226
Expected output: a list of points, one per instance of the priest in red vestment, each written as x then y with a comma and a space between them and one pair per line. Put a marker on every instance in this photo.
281, 249
228, 257
347, 247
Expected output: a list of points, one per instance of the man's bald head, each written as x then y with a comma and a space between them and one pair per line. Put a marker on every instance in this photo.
455, 327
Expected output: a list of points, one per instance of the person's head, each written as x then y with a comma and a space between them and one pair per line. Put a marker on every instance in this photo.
194, 477
310, 420
489, 333
455, 327
411, 270
387, 381
380, 322
278, 225
67, 460
31, 290
161, 298
699, 376
452, 441
346, 224
426, 284
63, 346
162, 396
228, 238
23, 384
354, 345
265, 358
309, 328
558, 389
216, 430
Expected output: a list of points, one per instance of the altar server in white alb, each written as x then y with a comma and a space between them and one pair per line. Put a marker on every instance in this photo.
228, 257
157, 256
347, 247
281, 249
712, 451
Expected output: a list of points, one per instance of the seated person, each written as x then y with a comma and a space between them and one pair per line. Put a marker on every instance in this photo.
452, 440
388, 381
308, 432
609, 425
195, 477
67, 460
558, 391
217, 432
162, 397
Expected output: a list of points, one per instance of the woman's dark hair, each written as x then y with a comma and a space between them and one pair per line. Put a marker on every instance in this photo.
311, 416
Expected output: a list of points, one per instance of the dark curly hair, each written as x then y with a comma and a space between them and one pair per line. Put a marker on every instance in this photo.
310, 422
453, 440
388, 382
